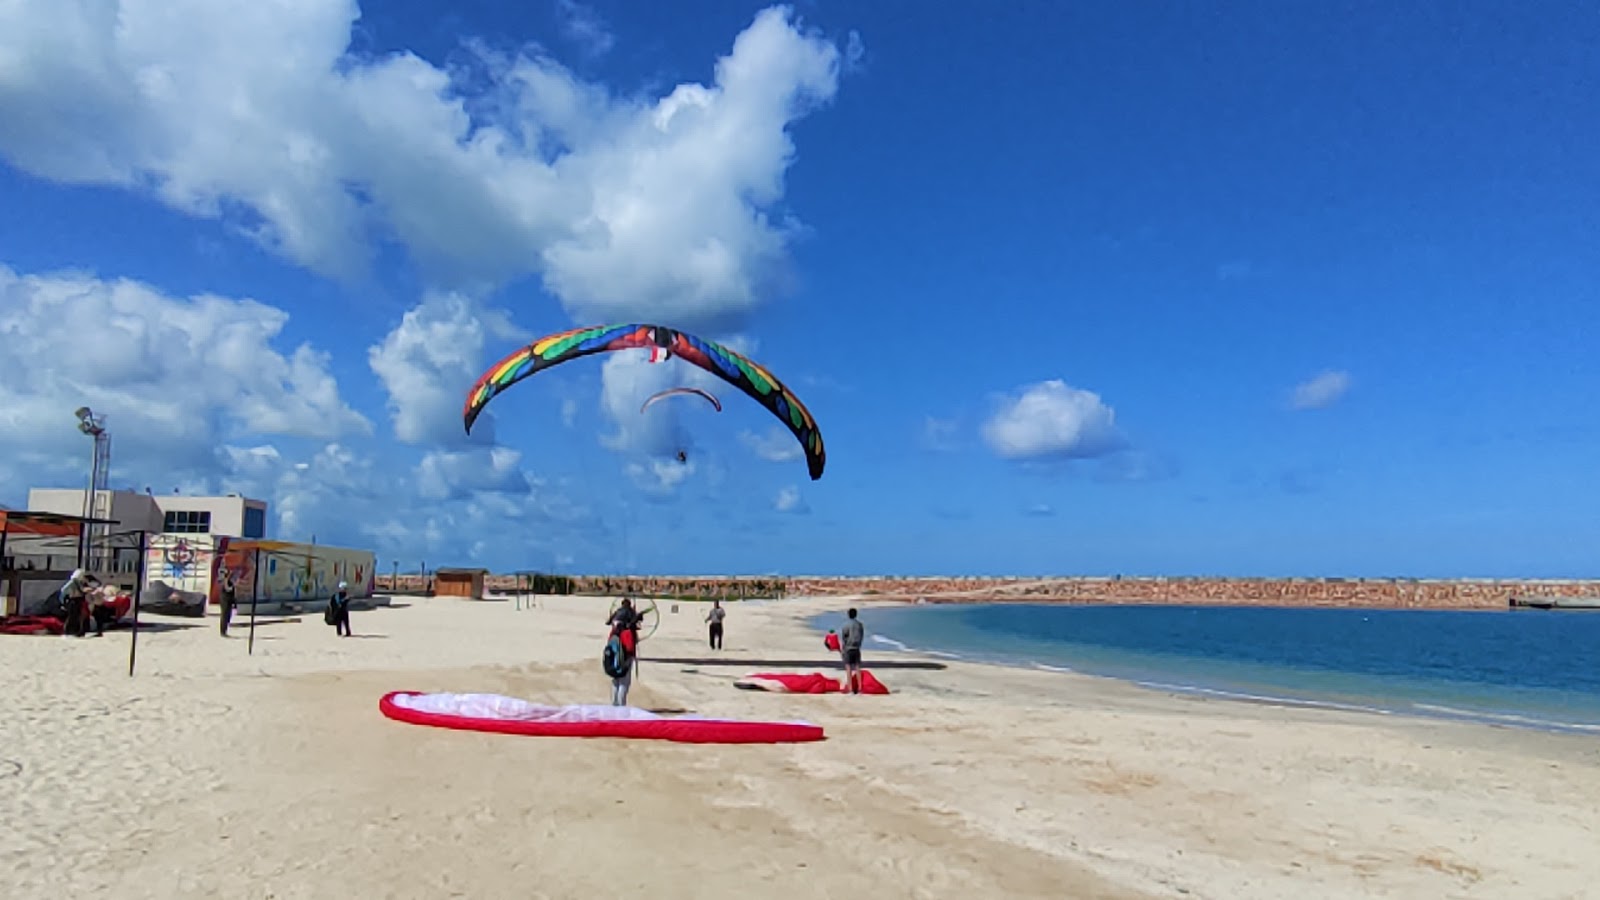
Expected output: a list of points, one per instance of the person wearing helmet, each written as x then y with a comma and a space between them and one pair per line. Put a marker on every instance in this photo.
340, 606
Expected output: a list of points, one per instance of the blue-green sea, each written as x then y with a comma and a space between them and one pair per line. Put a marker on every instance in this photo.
1528, 668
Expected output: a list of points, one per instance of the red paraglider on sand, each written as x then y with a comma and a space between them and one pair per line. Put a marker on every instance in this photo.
812, 683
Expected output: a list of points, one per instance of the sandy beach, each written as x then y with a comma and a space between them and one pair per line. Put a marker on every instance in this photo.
214, 773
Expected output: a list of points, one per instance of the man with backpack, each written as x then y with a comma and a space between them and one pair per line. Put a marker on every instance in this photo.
621, 646
338, 614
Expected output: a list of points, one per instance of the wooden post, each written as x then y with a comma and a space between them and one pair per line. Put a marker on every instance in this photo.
138, 595
255, 595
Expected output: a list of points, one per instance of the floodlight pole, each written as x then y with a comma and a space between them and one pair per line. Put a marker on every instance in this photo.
93, 426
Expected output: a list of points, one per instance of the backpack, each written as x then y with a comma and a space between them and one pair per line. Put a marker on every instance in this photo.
614, 659
329, 616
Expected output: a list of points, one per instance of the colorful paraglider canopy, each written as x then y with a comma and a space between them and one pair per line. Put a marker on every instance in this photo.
680, 392
661, 341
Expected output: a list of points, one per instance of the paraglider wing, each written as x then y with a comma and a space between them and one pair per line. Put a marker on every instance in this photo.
731, 367
680, 390
751, 378
549, 351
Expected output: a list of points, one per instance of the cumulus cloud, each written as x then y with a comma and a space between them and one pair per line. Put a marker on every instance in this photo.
173, 376
789, 500
665, 208
1321, 391
200, 395
659, 478
455, 474
428, 362
258, 115
1052, 419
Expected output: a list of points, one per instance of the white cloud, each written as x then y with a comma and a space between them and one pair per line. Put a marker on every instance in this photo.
659, 478
1040, 509
460, 506
789, 500
253, 113
455, 474
585, 27
430, 360
1052, 419
776, 444
198, 396
174, 377
628, 207
1321, 391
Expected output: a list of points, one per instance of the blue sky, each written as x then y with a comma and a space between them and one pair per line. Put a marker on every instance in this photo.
1070, 288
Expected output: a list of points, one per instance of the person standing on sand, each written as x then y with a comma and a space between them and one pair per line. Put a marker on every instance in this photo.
715, 618
624, 626
341, 609
228, 598
850, 638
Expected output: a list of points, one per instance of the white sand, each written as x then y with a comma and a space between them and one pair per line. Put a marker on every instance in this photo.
217, 774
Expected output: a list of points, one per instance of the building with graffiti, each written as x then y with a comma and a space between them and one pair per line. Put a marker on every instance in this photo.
183, 572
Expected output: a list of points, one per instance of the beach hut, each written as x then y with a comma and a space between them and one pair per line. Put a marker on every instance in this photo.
464, 583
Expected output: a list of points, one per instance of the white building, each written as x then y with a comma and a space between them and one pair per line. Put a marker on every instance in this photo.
232, 515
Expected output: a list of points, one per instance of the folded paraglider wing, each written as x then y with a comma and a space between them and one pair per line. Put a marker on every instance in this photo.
731, 367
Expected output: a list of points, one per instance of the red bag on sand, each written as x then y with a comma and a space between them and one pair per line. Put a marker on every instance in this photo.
871, 685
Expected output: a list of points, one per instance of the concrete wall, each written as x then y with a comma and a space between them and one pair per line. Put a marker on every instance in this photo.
227, 513
137, 511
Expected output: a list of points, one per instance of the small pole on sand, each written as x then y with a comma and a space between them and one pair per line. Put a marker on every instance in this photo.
138, 594
255, 594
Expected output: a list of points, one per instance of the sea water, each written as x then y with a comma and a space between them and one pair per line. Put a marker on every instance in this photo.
1528, 668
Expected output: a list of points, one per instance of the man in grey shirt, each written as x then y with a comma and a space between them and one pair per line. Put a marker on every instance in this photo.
850, 637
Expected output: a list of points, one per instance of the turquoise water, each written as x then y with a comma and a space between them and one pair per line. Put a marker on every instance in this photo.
1524, 668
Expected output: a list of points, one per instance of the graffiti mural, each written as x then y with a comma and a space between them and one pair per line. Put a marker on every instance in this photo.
184, 572
296, 572
178, 574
